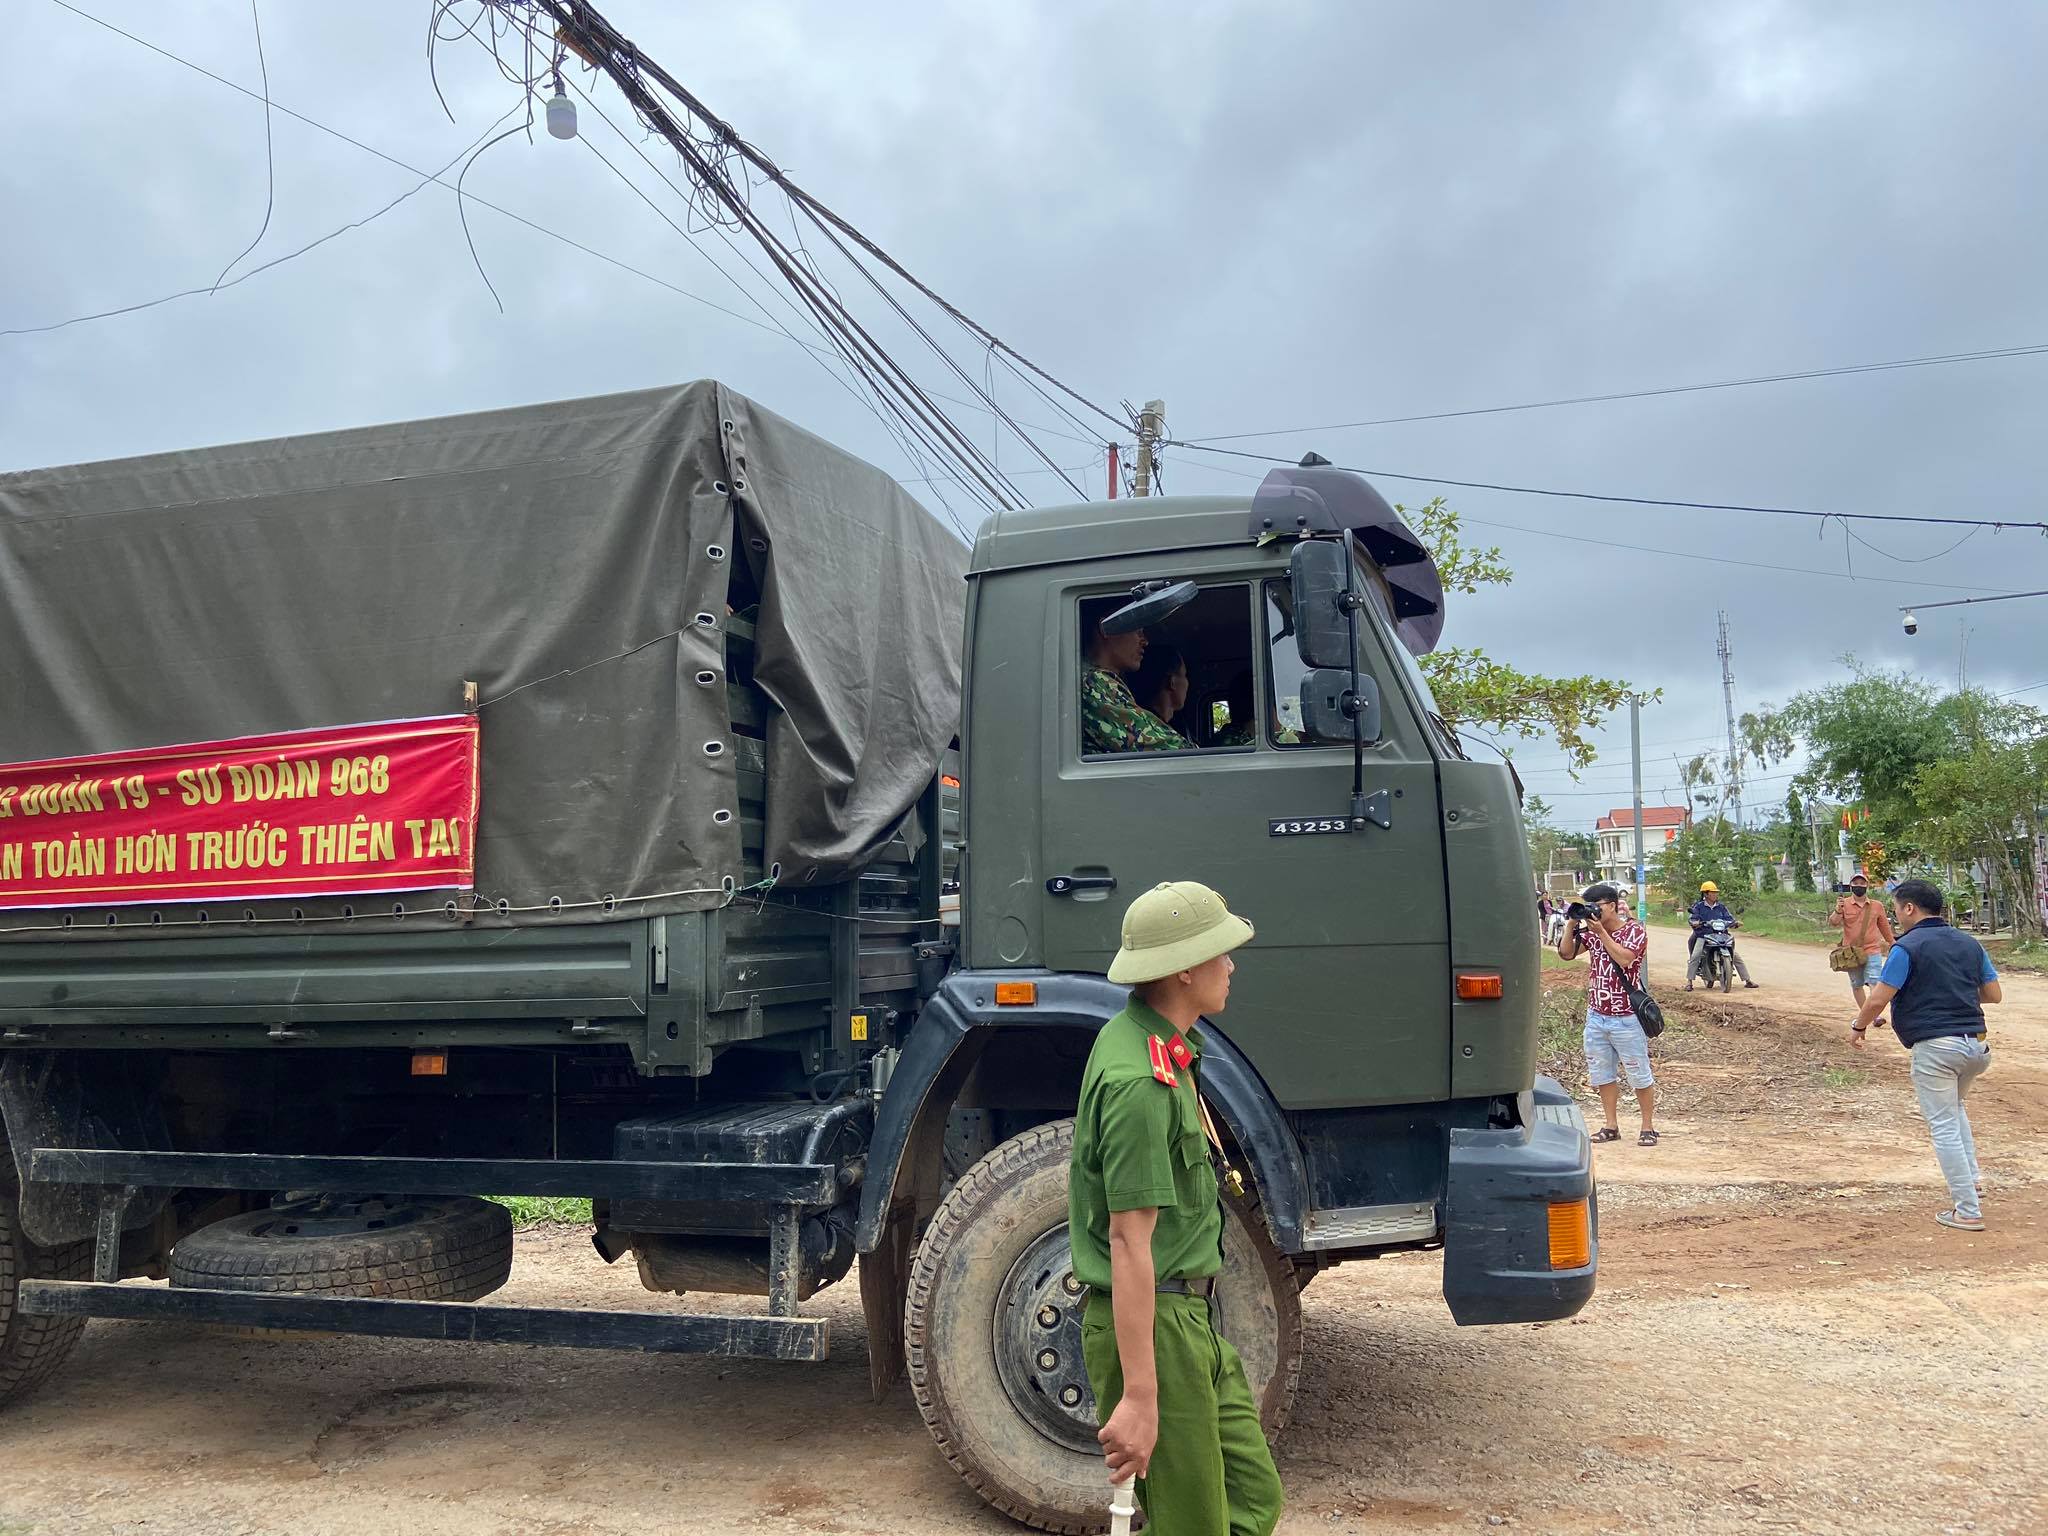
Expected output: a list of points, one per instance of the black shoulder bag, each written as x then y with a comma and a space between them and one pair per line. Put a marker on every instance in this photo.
1644, 1006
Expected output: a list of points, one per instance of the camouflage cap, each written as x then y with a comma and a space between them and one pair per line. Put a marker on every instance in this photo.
1175, 926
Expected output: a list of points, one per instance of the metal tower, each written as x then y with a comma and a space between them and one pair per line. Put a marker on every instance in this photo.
1728, 703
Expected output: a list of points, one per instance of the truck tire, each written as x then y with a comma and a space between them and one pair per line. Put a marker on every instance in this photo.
419, 1248
993, 1333
31, 1348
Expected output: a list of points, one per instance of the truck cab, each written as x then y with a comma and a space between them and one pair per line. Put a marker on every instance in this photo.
1375, 1070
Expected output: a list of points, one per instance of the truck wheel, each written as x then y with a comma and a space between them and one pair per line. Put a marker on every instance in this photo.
426, 1248
31, 1348
993, 1333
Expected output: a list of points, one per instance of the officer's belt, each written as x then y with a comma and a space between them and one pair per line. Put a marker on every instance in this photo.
1197, 1285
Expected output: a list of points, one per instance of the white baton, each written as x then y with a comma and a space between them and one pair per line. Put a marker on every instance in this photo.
1121, 1508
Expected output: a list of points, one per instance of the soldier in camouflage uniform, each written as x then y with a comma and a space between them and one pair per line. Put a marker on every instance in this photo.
1111, 719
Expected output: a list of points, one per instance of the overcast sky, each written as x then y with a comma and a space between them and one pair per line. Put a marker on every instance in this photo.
1271, 215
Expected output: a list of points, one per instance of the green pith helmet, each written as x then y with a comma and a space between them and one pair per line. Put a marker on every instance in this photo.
1175, 926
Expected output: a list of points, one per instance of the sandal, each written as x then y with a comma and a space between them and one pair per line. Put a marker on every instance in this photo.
1949, 1218
1606, 1133
1647, 1139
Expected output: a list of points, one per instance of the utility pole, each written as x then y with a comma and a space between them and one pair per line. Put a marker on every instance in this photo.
1635, 747
1728, 703
1115, 471
1151, 427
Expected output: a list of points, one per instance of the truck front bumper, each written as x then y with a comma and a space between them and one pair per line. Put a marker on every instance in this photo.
1499, 1192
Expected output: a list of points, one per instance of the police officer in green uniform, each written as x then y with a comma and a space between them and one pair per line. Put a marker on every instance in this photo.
1147, 1232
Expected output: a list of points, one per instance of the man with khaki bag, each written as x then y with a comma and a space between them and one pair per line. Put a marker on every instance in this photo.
1146, 1224
1867, 937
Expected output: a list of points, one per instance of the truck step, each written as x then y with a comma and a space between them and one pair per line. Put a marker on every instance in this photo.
723, 1183
740, 1337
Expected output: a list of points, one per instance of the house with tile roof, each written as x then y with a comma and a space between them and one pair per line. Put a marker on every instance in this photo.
1616, 833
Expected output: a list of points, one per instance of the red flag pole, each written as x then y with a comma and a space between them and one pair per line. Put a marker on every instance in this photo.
1113, 476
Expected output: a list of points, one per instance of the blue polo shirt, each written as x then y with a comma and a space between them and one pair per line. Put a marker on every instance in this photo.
1899, 965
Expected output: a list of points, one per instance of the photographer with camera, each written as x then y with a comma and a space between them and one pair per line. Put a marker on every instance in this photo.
1615, 946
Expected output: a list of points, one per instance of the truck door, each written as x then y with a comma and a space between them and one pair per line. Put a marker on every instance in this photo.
1344, 996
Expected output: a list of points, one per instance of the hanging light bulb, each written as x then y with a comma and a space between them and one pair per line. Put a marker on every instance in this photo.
561, 112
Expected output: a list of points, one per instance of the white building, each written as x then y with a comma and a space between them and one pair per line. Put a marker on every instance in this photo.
1616, 832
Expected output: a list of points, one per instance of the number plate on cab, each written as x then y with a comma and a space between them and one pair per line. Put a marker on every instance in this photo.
1307, 826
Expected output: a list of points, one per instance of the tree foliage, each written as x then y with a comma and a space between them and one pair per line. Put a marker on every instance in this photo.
1477, 690
1551, 845
1710, 850
1797, 841
1945, 779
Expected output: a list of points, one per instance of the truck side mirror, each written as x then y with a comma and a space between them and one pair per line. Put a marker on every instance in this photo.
1158, 601
1317, 572
1330, 709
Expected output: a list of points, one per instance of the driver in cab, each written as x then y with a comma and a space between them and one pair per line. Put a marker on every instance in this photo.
1112, 720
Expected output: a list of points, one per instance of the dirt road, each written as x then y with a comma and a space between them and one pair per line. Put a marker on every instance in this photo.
1784, 1341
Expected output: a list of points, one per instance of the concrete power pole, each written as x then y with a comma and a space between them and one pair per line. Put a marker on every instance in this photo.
1635, 745
1728, 703
1151, 427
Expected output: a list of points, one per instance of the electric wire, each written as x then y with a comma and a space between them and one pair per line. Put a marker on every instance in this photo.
1683, 554
1636, 501
856, 345
1983, 354
426, 178
580, 26
814, 273
848, 335
1083, 436
811, 268
269, 155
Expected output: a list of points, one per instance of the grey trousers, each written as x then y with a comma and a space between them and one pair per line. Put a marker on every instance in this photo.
1943, 1069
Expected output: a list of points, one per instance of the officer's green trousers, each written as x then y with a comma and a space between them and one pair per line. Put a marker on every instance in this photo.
1212, 1471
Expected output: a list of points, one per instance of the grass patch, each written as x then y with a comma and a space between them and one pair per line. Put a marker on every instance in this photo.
1561, 1035
1550, 961
1843, 1077
1791, 917
544, 1211
2008, 955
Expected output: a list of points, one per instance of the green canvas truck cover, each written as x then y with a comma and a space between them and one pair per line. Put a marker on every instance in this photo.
573, 560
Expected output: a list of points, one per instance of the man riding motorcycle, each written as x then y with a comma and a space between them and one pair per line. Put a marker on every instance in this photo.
1708, 910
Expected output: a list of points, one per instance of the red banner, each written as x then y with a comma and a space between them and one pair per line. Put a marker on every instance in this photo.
331, 812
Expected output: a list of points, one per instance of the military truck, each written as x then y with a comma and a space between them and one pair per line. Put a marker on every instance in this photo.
795, 879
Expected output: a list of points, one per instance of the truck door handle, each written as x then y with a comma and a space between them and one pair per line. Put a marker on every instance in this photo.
1066, 885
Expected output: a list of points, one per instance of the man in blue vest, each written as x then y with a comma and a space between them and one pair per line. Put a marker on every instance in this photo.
1937, 981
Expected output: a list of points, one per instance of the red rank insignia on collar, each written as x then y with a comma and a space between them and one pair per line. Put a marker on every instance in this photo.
1162, 1062
1177, 1048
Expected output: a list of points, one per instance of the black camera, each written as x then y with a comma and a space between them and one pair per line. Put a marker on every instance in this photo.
1582, 912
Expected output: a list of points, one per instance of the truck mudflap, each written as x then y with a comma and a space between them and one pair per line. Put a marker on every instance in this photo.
1498, 1198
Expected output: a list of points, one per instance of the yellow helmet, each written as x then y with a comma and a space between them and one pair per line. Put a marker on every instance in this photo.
1708, 885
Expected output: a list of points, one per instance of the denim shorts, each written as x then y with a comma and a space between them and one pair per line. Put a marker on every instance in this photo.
1872, 972
1616, 1048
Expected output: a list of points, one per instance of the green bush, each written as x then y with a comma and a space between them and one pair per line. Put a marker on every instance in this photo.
544, 1211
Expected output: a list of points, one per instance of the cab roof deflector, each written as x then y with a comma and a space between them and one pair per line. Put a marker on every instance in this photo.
1315, 497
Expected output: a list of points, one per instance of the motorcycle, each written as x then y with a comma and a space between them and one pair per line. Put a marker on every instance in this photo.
1717, 938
